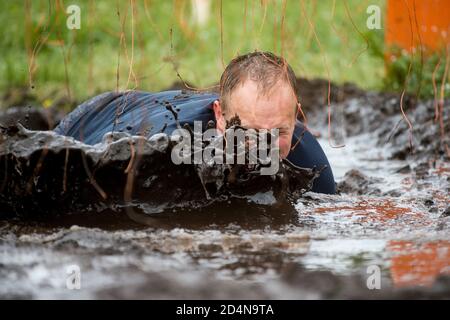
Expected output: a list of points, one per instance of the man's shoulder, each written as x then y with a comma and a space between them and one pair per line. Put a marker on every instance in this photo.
138, 97
186, 95
171, 94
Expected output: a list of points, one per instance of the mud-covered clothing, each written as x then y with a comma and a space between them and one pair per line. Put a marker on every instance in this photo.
146, 113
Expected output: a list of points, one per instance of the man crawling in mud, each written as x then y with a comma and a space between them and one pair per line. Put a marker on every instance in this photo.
260, 88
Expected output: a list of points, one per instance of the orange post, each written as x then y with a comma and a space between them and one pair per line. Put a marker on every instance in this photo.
427, 22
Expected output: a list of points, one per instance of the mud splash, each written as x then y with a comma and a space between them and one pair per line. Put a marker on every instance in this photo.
45, 174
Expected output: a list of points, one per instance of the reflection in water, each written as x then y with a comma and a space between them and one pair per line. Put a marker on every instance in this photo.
411, 263
371, 209
368, 216
418, 263
442, 169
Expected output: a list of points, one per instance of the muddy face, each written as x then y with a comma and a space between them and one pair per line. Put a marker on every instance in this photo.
275, 109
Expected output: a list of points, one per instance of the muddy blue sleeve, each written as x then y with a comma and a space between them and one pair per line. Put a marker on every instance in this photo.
308, 154
135, 112
71, 124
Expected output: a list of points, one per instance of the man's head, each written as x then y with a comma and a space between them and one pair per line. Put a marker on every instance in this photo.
260, 88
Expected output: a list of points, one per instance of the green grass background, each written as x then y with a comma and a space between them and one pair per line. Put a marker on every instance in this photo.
84, 62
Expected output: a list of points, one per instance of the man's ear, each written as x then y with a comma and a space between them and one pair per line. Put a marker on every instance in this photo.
300, 110
218, 114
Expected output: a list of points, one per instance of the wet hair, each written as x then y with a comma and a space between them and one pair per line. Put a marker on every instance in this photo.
265, 68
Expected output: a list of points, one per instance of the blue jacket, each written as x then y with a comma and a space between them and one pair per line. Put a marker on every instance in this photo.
145, 113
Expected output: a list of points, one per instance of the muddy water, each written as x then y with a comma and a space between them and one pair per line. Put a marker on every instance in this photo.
389, 214
397, 223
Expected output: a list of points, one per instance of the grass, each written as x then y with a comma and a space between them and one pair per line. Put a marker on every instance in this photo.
81, 63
